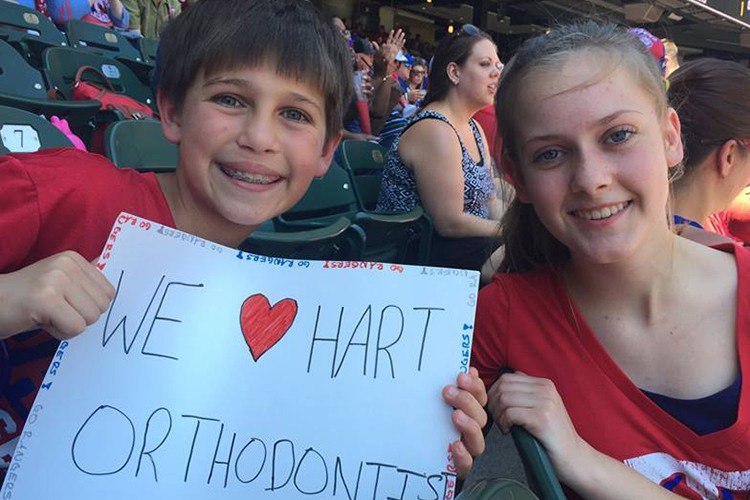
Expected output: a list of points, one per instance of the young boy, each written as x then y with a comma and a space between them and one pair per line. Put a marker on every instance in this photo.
252, 91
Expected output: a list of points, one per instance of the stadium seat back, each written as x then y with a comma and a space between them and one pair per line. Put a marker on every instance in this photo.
101, 40
394, 238
328, 198
339, 240
365, 160
28, 31
23, 132
17, 77
62, 63
149, 48
140, 144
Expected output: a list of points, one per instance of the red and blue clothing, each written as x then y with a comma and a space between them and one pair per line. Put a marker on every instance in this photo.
528, 322
57, 200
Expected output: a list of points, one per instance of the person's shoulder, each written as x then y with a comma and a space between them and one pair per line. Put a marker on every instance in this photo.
78, 176
432, 132
67, 165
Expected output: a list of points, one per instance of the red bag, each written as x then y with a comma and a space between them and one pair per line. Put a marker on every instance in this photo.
105, 93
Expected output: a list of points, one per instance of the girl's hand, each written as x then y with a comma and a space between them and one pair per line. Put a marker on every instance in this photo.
468, 398
535, 404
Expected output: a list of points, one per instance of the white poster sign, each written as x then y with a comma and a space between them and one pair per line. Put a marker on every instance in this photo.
225, 375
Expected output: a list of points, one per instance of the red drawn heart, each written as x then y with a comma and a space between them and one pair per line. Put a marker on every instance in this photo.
263, 325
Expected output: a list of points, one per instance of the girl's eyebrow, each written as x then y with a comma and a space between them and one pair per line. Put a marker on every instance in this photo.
613, 116
601, 121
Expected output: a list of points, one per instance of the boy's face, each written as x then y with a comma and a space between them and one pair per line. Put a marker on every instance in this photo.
251, 142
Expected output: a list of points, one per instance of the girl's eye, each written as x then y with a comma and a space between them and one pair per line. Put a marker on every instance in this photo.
227, 100
620, 136
549, 155
296, 115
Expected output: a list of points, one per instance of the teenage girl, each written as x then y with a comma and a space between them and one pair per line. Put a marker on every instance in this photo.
629, 343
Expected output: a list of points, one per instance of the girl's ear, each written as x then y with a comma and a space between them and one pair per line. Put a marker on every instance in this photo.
673, 139
728, 157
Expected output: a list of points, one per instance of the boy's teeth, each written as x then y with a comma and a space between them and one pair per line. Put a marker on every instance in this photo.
248, 177
603, 213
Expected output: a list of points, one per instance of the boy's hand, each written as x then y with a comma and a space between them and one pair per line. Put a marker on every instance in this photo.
62, 294
468, 397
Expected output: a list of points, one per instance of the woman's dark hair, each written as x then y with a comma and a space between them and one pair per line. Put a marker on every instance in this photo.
711, 98
454, 48
290, 35
528, 243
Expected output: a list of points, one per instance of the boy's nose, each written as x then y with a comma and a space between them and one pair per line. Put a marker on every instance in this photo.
258, 133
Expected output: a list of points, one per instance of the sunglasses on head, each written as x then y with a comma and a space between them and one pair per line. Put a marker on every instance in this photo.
468, 30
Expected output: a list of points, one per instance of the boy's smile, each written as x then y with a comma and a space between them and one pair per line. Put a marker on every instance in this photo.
251, 141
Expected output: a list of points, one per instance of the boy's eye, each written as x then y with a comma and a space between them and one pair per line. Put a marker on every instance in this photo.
227, 100
620, 136
296, 115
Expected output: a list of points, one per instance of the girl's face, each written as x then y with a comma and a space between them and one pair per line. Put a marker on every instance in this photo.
594, 154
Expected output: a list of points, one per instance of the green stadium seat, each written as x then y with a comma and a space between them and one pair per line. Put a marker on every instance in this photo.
140, 144
23, 132
339, 240
395, 238
28, 31
23, 87
539, 471
62, 63
365, 160
107, 42
149, 48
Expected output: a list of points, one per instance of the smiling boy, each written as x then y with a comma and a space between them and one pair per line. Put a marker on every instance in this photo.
252, 91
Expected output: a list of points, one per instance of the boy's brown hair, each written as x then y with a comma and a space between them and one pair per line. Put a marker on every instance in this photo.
290, 35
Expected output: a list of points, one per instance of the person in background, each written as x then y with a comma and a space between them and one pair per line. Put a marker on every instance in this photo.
386, 92
415, 91
671, 52
148, 17
622, 347
710, 96
441, 161
356, 126
108, 13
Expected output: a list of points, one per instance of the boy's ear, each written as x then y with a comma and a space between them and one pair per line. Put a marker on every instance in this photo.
170, 118
329, 148
673, 139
